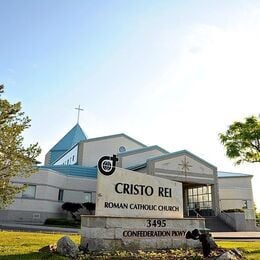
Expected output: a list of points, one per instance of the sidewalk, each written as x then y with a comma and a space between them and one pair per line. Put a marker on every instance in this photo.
236, 235
42, 228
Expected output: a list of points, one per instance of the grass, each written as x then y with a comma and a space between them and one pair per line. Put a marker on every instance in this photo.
26, 245
250, 248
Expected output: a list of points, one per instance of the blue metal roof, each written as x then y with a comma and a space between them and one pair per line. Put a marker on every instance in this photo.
74, 136
73, 170
232, 174
137, 167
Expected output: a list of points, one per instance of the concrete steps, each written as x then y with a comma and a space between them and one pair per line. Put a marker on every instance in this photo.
215, 224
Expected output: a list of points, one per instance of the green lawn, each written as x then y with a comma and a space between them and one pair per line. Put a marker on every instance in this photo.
26, 245
251, 249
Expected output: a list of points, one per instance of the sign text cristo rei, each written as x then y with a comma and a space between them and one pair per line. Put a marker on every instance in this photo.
140, 189
121, 192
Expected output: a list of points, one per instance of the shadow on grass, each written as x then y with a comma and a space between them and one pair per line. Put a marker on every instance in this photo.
32, 256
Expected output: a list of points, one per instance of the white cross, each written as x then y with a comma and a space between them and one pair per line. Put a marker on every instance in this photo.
79, 109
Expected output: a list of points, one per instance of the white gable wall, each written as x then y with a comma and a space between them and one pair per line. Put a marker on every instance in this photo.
139, 158
175, 164
173, 168
94, 150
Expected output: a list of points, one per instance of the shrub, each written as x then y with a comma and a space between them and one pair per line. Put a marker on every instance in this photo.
60, 222
89, 206
72, 208
257, 215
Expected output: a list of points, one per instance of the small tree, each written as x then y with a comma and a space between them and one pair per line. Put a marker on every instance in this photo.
90, 206
15, 159
72, 208
242, 140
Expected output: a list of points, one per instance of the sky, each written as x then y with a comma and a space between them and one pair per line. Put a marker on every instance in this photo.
167, 73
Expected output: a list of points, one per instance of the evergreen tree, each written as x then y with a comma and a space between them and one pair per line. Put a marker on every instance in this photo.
15, 159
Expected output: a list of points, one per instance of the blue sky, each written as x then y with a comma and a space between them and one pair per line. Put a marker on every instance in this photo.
172, 73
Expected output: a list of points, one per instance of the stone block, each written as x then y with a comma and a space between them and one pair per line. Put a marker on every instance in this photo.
119, 233
179, 243
114, 222
93, 221
105, 233
131, 245
193, 243
102, 244
164, 243
140, 243
130, 223
148, 243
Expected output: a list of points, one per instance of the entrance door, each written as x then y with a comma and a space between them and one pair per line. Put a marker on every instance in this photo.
199, 200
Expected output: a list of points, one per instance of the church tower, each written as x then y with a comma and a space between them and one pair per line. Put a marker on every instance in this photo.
74, 136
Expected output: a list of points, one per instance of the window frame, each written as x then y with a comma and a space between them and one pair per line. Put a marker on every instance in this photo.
26, 196
87, 192
60, 195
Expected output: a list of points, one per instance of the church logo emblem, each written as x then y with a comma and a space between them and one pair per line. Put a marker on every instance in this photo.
107, 164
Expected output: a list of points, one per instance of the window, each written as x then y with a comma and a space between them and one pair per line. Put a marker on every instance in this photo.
87, 197
29, 192
60, 196
122, 149
200, 197
244, 204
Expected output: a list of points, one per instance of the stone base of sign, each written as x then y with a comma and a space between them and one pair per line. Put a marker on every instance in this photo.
113, 233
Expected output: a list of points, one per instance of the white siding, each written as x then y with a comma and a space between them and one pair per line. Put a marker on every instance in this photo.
48, 184
94, 150
139, 158
36, 205
233, 192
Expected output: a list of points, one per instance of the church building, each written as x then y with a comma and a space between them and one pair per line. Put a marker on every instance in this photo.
69, 174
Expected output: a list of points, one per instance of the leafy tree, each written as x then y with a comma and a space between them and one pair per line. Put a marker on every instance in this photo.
15, 159
242, 140
72, 208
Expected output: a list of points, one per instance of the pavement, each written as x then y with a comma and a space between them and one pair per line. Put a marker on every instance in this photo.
236, 235
42, 228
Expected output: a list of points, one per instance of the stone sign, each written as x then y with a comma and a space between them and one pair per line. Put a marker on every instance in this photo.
100, 233
136, 210
125, 193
